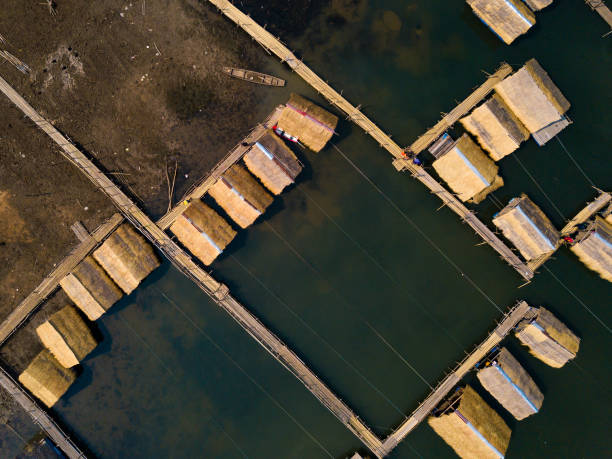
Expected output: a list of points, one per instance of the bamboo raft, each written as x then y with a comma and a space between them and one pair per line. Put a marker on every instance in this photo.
593, 207
254, 77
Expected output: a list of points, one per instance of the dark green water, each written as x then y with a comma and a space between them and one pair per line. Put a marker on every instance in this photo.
350, 283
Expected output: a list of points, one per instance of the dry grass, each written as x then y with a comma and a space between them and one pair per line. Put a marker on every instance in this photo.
46, 378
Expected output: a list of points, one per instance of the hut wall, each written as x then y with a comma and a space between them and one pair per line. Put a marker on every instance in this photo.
46, 378
497, 129
466, 169
508, 19
537, 5
127, 257
202, 231
526, 226
473, 429
511, 385
312, 125
594, 248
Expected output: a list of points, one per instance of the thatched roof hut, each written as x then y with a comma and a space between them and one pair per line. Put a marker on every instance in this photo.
312, 125
511, 385
202, 231
507, 19
548, 338
467, 170
526, 226
240, 195
594, 247
497, 129
67, 336
127, 257
90, 288
533, 97
273, 163
470, 426
537, 5
46, 378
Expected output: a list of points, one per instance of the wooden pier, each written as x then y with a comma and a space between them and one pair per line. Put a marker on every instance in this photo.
40, 417
51, 282
591, 208
274, 46
600, 7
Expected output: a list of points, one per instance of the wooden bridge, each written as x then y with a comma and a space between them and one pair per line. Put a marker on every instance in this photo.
274, 46
591, 208
602, 9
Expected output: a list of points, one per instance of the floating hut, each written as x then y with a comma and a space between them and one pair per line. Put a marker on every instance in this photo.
468, 171
506, 380
91, 289
46, 378
508, 19
537, 5
470, 426
535, 100
526, 226
127, 257
67, 336
496, 127
202, 231
272, 162
312, 125
548, 338
240, 195
594, 247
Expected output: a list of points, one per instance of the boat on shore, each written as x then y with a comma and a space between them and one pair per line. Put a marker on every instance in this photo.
254, 77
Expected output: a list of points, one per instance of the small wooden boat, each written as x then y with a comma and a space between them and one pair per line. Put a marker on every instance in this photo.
254, 77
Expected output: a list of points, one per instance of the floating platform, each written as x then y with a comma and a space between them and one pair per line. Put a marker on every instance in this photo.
254, 77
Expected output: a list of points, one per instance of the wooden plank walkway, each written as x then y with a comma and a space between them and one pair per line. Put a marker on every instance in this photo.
217, 291
593, 207
40, 417
601, 8
273, 45
51, 282
231, 158
507, 324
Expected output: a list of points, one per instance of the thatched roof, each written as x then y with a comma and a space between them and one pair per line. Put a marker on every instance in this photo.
537, 5
67, 336
273, 163
466, 169
594, 247
497, 129
526, 226
240, 195
202, 231
548, 338
46, 378
312, 125
91, 289
511, 385
506, 18
471, 427
533, 97
127, 257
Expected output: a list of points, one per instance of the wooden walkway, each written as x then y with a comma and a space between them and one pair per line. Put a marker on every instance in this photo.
507, 324
600, 7
51, 282
40, 417
217, 291
273, 45
591, 208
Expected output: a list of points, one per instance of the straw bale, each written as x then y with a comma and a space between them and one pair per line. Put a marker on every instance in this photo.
240, 195
496, 128
312, 125
127, 257
203, 231
533, 97
511, 385
537, 5
67, 336
273, 163
466, 169
594, 247
526, 226
91, 289
548, 338
508, 19
46, 378
453, 427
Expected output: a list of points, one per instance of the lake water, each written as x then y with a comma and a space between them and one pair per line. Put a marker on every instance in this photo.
351, 283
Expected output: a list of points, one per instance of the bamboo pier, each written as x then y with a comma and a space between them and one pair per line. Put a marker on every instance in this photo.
591, 208
602, 9
274, 46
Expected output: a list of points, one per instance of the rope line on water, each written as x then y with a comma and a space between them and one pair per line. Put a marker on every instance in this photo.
575, 162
